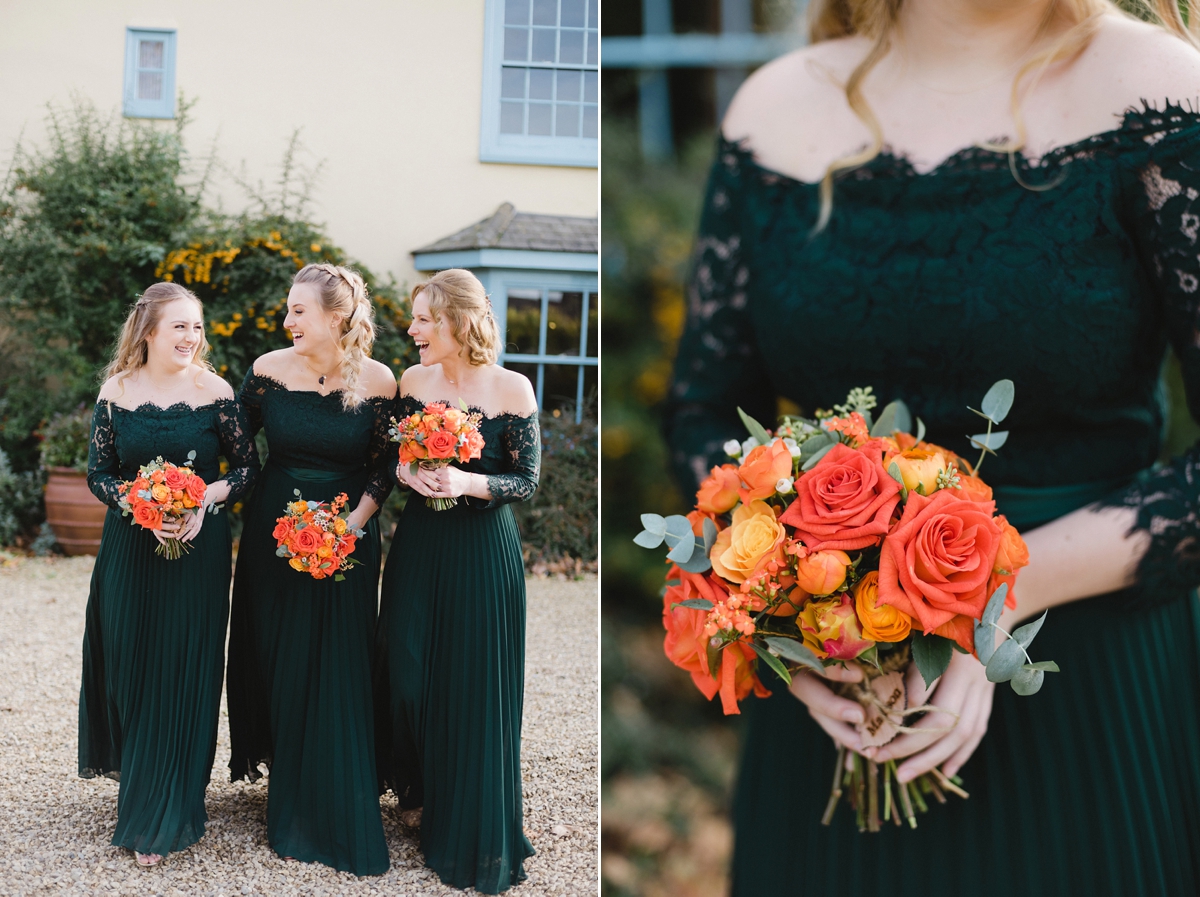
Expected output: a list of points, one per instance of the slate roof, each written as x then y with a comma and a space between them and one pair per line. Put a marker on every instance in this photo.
509, 229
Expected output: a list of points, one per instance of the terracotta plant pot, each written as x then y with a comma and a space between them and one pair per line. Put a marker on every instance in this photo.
75, 515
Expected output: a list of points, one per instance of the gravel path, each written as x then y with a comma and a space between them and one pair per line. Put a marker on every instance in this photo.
55, 827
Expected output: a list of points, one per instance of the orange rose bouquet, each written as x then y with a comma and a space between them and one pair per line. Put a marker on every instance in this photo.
315, 537
435, 436
847, 538
163, 491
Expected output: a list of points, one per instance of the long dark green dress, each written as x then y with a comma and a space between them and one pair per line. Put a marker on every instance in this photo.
930, 287
299, 687
450, 674
154, 642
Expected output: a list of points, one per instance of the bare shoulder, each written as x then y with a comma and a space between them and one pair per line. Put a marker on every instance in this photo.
273, 364
213, 386
513, 391
112, 389
773, 111
377, 379
1130, 61
413, 379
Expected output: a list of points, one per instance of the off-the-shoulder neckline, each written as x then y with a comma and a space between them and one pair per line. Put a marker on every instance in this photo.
1144, 121
516, 415
279, 384
178, 406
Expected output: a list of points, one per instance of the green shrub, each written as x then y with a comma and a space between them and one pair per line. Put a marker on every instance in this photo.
65, 439
20, 501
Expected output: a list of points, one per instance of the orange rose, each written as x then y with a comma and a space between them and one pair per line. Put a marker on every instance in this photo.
146, 515
1013, 553
753, 538
719, 492
196, 489
441, 444
283, 529
830, 628
436, 409
454, 419
347, 543
959, 628
157, 476
141, 484
844, 502
412, 451
762, 468
937, 561
174, 478
697, 518
307, 540
159, 492
822, 572
879, 621
972, 488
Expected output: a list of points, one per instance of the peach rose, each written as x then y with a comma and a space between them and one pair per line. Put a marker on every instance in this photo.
972, 488
937, 561
160, 492
879, 621
822, 572
307, 540
753, 537
196, 489
441, 444
845, 502
146, 515
762, 468
830, 628
719, 491
1013, 553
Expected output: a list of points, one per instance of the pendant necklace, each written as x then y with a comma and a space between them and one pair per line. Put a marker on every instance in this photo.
320, 377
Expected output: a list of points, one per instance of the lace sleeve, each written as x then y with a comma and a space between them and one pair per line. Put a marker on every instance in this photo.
1164, 206
718, 367
381, 458
237, 445
521, 440
104, 467
251, 396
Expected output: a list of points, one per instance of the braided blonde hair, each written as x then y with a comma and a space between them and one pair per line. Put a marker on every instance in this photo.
343, 292
876, 21
131, 351
456, 295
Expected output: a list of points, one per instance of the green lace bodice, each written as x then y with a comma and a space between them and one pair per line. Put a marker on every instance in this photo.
124, 439
930, 287
511, 457
308, 430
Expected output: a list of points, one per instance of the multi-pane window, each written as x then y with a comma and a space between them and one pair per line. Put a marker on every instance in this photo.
149, 73
541, 82
550, 336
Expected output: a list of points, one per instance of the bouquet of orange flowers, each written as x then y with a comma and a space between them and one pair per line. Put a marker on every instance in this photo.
316, 538
435, 436
163, 491
846, 538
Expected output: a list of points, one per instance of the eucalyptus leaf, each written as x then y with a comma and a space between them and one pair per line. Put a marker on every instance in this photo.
886, 422
894, 473
1005, 662
995, 605
1046, 666
679, 529
795, 652
931, 653
998, 401
814, 444
709, 530
1024, 636
985, 641
1027, 681
699, 561
682, 553
647, 539
821, 453
920, 429
463, 405
755, 429
653, 523
694, 603
990, 441
773, 662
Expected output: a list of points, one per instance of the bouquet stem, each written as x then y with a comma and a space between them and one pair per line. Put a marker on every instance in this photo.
441, 504
172, 549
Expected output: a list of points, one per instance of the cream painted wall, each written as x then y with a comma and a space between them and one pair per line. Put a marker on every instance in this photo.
386, 93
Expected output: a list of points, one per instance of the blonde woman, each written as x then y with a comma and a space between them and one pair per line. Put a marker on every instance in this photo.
451, 644
153, 648
869, 224
300, 649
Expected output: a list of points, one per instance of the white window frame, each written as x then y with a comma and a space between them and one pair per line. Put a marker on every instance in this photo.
522, 149
165, 107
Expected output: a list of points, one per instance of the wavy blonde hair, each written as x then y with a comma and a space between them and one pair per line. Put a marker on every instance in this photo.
343, 292
131, 351
457, 297
876, 21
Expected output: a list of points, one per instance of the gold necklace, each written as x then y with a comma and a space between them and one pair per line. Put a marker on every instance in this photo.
320, 377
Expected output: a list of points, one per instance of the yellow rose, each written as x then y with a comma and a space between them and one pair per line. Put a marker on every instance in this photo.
187, 501
339, 526
753, 537
918, 467
297, 564
299, 507
160, 492
880, 622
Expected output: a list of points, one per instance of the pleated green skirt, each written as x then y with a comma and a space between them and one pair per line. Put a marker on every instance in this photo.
450, 681
299, 689
153, 658
1091, 786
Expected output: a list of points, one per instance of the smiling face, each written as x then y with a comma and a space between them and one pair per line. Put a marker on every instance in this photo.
312, 329
173, 342
433, 339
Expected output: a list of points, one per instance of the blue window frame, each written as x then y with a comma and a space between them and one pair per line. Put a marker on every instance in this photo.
149, 73
541, 82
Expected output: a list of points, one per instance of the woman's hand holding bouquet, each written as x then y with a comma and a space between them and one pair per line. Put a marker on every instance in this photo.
168, 500
852, 549
432, 438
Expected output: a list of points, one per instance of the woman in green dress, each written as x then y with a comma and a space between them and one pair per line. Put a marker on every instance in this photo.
450, 649
299, 686
1065, 260
153, 647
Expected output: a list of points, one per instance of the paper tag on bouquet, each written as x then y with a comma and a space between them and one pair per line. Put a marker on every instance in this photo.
883, 710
